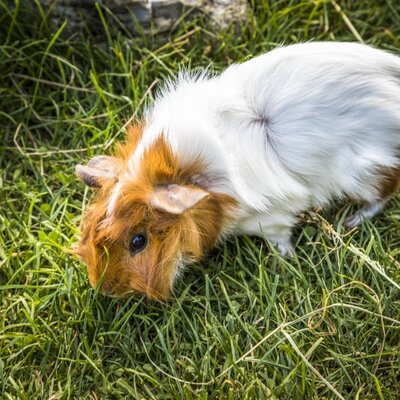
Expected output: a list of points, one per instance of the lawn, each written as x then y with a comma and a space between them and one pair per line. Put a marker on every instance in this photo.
245, 323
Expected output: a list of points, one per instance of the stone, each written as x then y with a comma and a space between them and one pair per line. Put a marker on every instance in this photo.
141, 16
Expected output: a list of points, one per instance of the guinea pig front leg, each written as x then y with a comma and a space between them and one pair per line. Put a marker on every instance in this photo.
281, 238
275, 228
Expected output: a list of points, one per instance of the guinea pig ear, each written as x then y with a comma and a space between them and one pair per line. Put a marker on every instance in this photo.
98, 170
176, 199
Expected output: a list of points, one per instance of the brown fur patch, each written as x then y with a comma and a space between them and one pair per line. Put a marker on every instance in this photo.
171, 238
133, 135
389, 182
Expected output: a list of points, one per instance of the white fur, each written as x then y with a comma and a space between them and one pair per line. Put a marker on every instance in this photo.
294, 128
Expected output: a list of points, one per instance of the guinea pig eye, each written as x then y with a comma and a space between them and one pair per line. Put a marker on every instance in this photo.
137, 243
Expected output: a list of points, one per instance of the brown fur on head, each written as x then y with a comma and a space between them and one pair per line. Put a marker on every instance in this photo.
180, 219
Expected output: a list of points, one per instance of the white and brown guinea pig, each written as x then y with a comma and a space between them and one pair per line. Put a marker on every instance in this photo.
242, 152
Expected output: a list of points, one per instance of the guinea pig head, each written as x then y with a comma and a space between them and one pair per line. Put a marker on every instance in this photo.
145, 224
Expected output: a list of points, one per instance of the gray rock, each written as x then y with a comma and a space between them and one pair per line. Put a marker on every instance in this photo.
141, 16
167, 9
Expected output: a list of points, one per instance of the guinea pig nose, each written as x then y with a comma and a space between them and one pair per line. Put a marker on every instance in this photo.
107, 288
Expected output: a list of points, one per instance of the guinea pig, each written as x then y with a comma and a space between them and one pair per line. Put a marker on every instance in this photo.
242, 152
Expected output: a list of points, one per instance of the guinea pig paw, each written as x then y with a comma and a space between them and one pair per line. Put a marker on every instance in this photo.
286, 248
366, 212
354, 220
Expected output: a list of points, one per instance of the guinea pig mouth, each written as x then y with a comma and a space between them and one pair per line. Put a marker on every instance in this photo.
111, 291
124, 295
106, 288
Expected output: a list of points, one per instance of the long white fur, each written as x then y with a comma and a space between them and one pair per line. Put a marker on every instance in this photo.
294, 128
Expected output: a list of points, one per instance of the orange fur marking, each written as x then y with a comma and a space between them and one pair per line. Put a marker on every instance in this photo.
172, 238
389, 182
132, 138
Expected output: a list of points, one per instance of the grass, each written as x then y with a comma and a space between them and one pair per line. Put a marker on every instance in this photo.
245, 323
